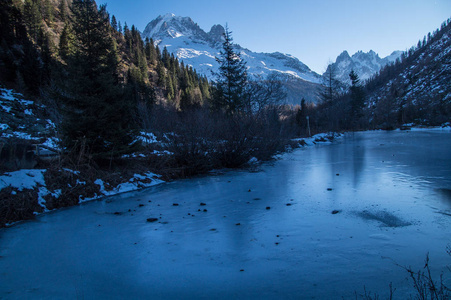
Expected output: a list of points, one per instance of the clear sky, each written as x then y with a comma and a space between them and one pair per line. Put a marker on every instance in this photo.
315, 31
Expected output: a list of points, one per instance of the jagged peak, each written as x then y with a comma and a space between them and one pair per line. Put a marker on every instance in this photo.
216, 33
216, 30
172, 26
343, 56
168, 15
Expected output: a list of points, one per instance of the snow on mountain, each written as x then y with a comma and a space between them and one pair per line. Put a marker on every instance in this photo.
364, 64
195, 47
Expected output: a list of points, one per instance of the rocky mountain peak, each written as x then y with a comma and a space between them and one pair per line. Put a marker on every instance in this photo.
365, 64
343, 56
216, 33
172, 26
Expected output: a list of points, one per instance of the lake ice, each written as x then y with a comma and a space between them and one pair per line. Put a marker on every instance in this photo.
319, 223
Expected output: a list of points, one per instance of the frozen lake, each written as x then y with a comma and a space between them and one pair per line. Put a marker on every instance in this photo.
392, 191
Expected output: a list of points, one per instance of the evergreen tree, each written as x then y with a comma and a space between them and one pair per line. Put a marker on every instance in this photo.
126, 30
33, 19
47, 11
114, 23
231, 81
158, 52
137, 89
63, 10
301, 115
161, 74
119, 27
170, 88
20, 62
150, 50
96, 114
166, 57
66, 44
357, 97
205, 88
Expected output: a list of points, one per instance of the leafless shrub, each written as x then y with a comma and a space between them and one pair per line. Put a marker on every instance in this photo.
200, 139
426, 287
367, 295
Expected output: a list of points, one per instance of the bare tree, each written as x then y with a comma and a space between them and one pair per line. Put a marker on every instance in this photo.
331, 86
265, 92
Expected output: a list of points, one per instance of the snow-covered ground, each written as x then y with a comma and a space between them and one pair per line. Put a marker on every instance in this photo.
20, 119
34, 179
321, 222
31, 179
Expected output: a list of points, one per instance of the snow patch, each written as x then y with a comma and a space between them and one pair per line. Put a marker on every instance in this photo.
135, 183
147, 137
23, 179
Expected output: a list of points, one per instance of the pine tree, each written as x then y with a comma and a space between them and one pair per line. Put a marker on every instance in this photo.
63, 10
149, 50
231, 81
47, 11
33, 19
166, 57
161, 74
96, 114
66, 44
170, 88
119, 27
357, 97
114, 23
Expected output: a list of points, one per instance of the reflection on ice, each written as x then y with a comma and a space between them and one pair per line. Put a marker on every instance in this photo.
221, 241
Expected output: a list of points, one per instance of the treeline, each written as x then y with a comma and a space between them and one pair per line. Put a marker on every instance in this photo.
38, 37
103, 85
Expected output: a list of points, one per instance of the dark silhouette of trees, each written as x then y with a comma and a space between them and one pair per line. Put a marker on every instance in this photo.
231, 80
357, 96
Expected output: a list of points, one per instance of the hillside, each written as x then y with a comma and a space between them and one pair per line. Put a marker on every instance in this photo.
416, 89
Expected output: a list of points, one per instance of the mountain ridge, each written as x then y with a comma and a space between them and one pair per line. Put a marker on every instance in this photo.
198, 48
365, 64
192, 45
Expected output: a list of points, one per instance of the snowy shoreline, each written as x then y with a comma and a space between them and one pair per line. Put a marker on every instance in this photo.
26, 180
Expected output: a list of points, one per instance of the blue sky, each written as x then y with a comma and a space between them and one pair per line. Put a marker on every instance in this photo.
315, 31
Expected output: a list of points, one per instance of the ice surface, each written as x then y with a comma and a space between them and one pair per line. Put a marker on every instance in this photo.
324, 236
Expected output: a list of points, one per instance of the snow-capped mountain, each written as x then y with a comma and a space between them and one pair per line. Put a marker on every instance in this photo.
364, 64
195, 47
